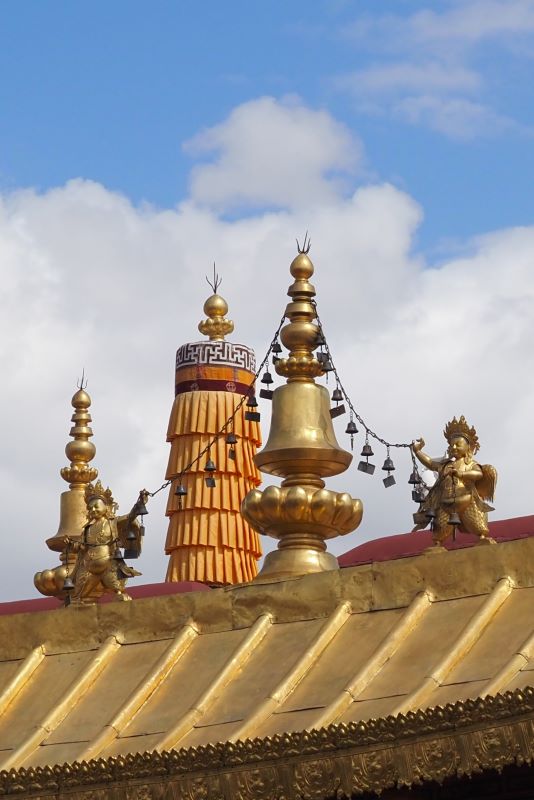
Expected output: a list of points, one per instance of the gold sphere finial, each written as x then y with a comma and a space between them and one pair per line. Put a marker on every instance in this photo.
215, 306
81, 399
216, 326
301, 268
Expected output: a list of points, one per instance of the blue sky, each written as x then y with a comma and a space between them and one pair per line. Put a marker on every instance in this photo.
440, 94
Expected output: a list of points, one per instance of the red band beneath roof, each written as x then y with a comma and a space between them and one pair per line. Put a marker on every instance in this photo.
202, 384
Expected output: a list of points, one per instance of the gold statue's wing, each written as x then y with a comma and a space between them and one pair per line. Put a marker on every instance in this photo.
486, 486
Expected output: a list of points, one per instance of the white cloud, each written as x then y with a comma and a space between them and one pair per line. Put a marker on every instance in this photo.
89, 280
459, 23
456, 117
474, 21
432, 74
410, 77
273, 154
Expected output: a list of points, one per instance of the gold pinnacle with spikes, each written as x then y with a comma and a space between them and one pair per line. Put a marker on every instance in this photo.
80, 451
73, 512
303, 449
216, 326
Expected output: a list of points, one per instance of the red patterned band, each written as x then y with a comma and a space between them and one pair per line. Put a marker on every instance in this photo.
201, 384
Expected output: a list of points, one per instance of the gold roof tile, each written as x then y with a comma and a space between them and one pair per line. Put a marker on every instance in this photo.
255, 660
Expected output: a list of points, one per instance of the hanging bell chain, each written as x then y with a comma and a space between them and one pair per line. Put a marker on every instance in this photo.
337, 395
367, 450
351, 427
415, 478
251, 415
388, 465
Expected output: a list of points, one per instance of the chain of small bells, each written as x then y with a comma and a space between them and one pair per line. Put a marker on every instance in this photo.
339, 397
324, 356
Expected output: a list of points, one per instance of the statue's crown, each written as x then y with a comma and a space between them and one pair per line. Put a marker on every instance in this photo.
459, 427
97, 490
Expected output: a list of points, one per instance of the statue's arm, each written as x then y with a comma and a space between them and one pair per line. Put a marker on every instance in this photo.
142, 500
426, 461
472, 475
73, 544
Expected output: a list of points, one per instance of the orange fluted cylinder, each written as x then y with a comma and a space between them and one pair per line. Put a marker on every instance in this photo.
207, 539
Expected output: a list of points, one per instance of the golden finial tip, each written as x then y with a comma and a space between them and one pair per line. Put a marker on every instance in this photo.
215, 306
301, 267
216, 326
81, 399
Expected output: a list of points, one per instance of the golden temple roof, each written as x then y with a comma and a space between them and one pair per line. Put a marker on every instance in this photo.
256, 660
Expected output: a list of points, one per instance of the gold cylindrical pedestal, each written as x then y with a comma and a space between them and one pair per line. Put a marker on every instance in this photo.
293, 562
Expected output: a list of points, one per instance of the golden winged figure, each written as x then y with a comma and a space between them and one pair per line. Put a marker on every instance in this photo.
100, 567
462, 487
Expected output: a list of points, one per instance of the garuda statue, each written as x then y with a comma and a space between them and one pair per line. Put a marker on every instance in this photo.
100, 567
457, 500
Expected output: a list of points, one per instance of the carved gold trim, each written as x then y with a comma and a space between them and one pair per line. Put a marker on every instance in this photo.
459, 739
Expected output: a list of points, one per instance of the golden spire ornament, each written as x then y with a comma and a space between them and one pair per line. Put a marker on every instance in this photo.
73, 513
302, 448
216, 326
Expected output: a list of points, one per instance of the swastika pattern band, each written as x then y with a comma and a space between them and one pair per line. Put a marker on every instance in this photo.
233, 355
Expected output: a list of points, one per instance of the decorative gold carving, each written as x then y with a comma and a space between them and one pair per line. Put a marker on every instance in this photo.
373, 770
262, 784
496, 745
201, 788
302, 448
317, 779
460, 739
320, 511
141, 793
440, 759
458, 498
